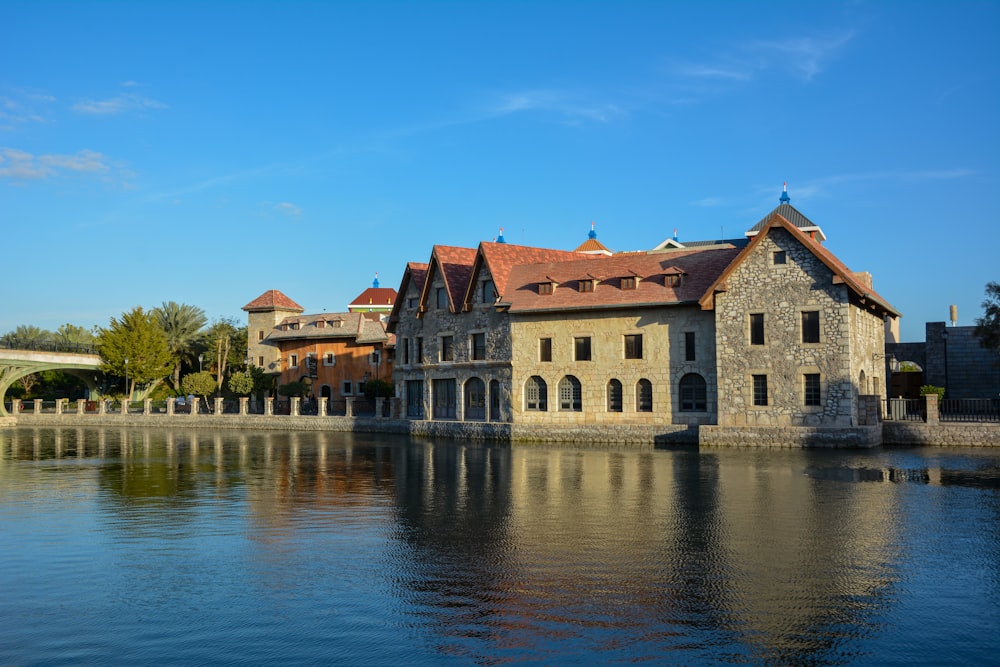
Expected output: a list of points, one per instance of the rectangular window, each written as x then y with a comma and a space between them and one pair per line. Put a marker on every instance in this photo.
489, 292
780, 257
478, 346
545, 288
689, 347
633, 346
756, 328
447, 348
420, 349
405, 344
293, 361
672, 280
412, 302
581, 348
545, 349
810, 326
811, 390
444, 398
260, 361
415, 399
346, 387
586, 285
628, 282
329, 359
260, 335
760, 390
442, 297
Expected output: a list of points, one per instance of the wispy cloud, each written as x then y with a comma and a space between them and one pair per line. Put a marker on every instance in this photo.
806, 57
20, 107
122, 103
573, 108
19, 165
288, 209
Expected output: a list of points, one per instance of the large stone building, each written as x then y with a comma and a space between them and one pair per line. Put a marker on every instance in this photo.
768, 330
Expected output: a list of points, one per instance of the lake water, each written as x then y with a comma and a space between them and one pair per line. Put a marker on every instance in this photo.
184, 547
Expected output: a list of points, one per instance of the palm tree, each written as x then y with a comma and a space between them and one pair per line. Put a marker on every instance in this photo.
182, 323
26, 336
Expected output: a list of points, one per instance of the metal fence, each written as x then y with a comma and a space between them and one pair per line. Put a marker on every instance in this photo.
970, 410
984, 410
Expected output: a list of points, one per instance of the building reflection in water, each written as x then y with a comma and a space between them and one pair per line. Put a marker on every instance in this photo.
515, 550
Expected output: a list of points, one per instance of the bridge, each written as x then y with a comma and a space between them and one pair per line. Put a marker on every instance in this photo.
17, 363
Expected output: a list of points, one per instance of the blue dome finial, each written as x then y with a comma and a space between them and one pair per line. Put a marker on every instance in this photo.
592, 234
500, 238
784, 194
375, 282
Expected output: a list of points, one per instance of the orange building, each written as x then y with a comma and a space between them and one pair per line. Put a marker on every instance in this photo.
336, 354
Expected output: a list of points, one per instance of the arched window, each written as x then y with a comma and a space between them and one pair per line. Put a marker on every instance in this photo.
693, 393
862, 383
475, 399
325, 391
536, 395
644, 396
570, 394
614, 396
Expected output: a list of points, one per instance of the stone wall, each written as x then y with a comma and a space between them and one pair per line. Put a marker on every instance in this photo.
957, 362
942, 435
663, 364
890, 433
427, 332
790, 436
782, 292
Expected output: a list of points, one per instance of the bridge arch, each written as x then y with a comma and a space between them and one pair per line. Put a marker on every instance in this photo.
16, 364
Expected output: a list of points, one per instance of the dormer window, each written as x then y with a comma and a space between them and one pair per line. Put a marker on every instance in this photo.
587, 285
293, 326
545, 288
672, 280
338, 323
628, 282
320, 324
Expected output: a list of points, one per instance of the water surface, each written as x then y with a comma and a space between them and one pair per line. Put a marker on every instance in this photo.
126, 546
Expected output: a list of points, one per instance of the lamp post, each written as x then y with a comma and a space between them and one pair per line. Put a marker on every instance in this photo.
201, 358
128, 397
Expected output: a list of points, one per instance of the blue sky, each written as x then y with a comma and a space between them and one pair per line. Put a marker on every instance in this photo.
207, 152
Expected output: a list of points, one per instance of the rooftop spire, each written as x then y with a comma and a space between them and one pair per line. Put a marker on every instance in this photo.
784, 194
500, 238
592, 234
375, 282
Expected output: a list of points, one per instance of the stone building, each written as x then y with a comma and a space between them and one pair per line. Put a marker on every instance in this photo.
453, 357
769, 330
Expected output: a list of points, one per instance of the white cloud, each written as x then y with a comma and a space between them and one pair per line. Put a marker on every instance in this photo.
122, 103
20, 165
21, 107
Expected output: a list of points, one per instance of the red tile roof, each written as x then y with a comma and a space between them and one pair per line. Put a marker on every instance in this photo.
272, 300
699, 267
500, 258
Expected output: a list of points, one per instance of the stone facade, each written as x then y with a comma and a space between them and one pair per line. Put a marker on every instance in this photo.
664, 333
452, 362
780, 293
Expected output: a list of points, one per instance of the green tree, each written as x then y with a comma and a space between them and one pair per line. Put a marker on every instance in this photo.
988, 326
182, 324
199, 384
225, 344
72, 336
26, 336
135, 346
252, 380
